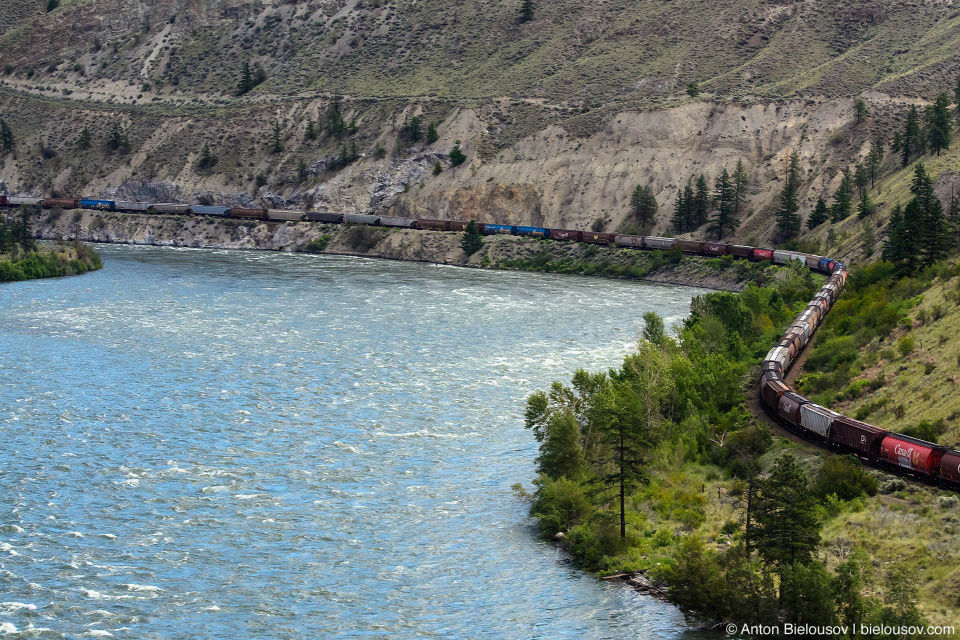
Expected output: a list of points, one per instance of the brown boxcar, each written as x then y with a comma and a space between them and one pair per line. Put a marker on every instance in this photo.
324, 216
566, 234
596, 237
741, 251
458, 225
62, 203
859, 436
771, 390
436, 225
762, 254
950, 466
690, 246
256, 214
715, 249
911, 453
3, 201
789, 407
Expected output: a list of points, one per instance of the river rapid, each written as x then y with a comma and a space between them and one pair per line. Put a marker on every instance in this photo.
234, 444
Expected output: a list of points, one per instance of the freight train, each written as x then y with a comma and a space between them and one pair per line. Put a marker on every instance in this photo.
926, 460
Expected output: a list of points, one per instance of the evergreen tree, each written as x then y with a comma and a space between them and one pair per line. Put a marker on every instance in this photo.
355, 152
6, 137
865, 206
277, 145
335, 122
953, 217
644, 205
911, 134
740, 180
412, 130
432, 135
526, 11
927, 215
701, 203
874, 158
311, 129
819, 215
437, 168
897, 143
24, 230
118, 139
258, 76
788, 217
457, 156
472, 239
245, 83
84, 140
207, 159
842, 198
956, 97
898, 248
678, 221
941, 125
788, 529
860, 109
861, 178
724, 198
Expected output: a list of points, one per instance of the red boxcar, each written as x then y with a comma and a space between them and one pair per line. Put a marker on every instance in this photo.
3, 201
566, 234
436, 225
861, 437
950, 466
763, 254
689, 246
595, 237
771, 392
911, 453
257, 214
714, 249
789, 407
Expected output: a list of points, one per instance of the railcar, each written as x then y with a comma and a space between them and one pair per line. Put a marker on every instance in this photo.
566, 234
912, 454
60, 203
827, 265
323, 216
715, 249
789, 405
458, 225
532, 232
361, 218
16, 201
95, 203
596, 237
817, 420
762, 254
252, 214
772, 390
170, 207
129, 205
284, 215
689, 246
400, 223
3, 201
858, 437
435, 225
207, 210
499, 229
950, 466
663, 244
741, 251
621, 240
813, 262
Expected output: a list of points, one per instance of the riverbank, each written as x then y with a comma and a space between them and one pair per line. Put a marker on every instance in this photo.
438, 247
48, 261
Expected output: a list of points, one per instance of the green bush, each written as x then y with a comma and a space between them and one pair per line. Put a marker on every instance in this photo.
844, 477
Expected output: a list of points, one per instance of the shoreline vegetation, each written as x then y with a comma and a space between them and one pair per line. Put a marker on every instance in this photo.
23, 258
657, 470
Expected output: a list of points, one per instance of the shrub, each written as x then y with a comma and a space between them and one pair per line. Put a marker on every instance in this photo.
892, 485
844, 477
319, 245
905, 345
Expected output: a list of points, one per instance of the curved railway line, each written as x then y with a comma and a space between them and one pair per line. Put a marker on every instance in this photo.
878, 447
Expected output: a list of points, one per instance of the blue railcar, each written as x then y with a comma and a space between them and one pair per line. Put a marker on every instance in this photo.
205, 210
493, 229
534, 232
107, 205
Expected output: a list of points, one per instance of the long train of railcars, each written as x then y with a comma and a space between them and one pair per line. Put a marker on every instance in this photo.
877, 446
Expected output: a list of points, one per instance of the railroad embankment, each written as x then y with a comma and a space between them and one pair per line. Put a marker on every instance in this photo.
392, 244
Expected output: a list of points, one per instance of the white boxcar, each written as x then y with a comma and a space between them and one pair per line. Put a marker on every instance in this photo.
780, 355
285, 215
654, 242
393, 221
817, 419
781, 257
126, 205
16, 200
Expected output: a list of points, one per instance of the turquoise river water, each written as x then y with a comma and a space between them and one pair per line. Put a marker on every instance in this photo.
240, 445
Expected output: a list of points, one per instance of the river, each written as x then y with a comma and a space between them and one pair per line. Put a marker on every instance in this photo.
239, 444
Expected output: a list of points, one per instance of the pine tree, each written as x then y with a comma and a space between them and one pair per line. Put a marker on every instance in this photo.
311, 129
819, 215
953, 218
526, 11
956, 97
911, 134
678, 222
335, 123
788, 529
842, 198
898, 248
928, 217
118, 139
644, 205
432, 135
865, 206
457, 156
788, 218
6, 137
84, 140
207, 159
740, 180
472, 240
724, 198
701, 203
25, 233
874, 158
245, 83
277, 146
861, 178
941, 125
860, 109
